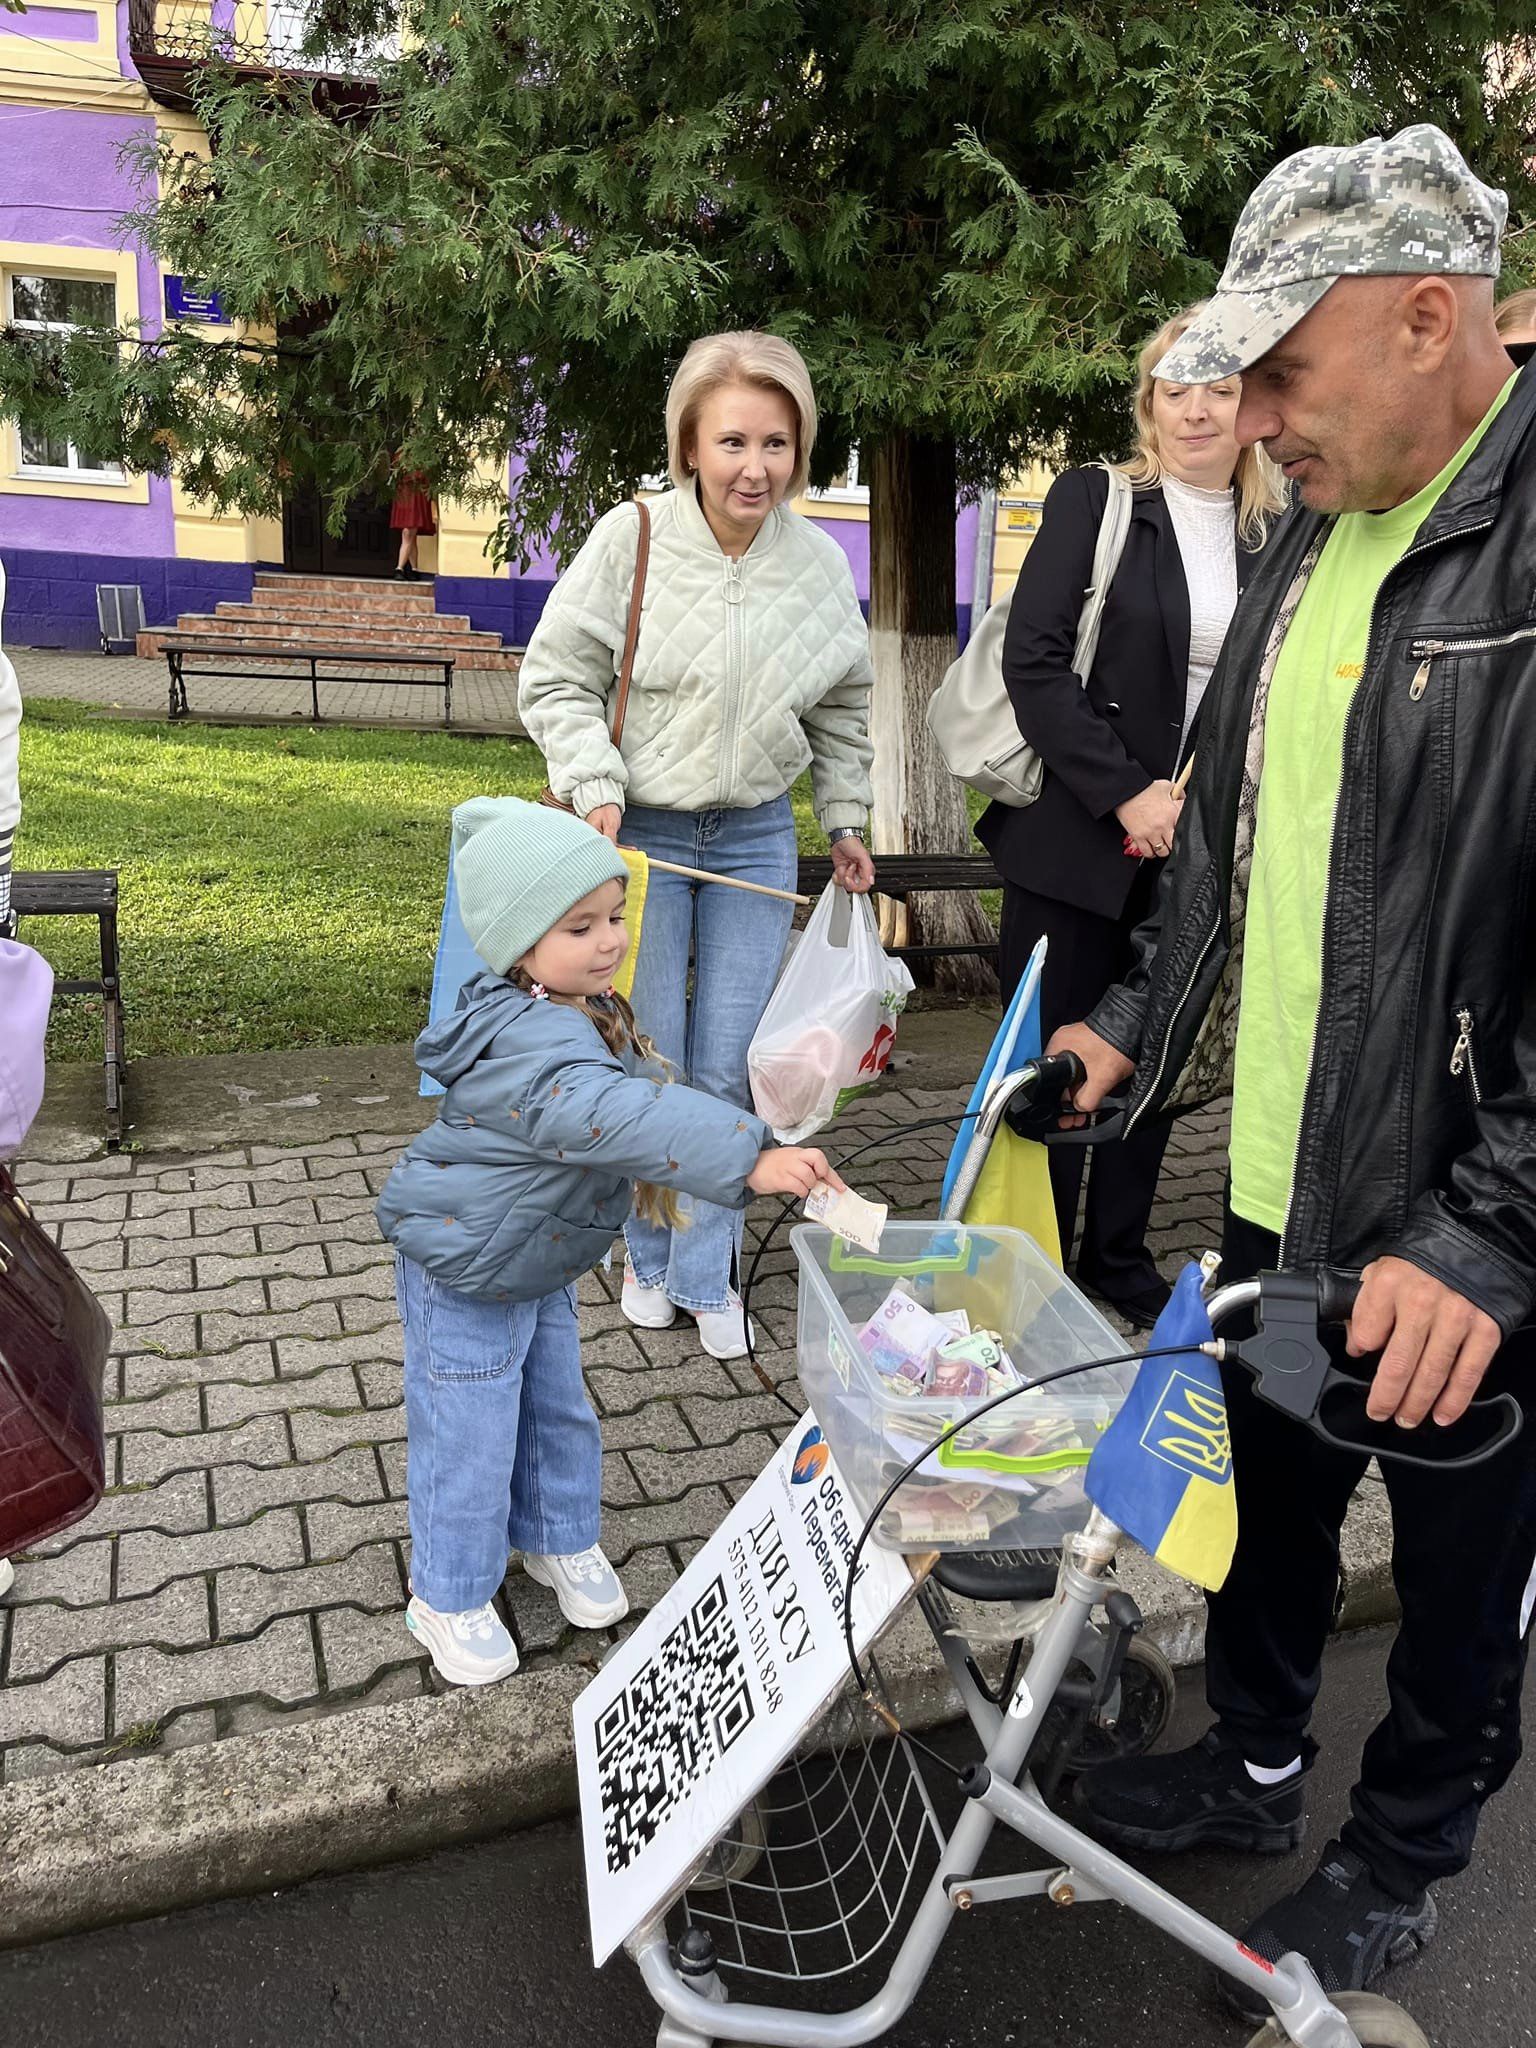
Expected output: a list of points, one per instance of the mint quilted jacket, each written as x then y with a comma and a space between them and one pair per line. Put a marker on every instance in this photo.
745, 672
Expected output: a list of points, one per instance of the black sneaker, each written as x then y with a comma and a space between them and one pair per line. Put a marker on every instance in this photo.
1192, 1798
1349, 1929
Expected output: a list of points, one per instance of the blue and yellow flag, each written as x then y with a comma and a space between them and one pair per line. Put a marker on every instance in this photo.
1163, 1468
458, 962
1014, 1188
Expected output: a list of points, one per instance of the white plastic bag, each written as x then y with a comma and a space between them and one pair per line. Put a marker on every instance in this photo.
830, 1023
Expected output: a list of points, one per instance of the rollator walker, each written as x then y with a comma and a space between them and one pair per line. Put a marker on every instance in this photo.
843, 1858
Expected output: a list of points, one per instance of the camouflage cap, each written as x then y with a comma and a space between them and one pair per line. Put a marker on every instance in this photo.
1396, 207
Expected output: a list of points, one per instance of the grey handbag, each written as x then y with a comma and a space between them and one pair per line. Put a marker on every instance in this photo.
970, 714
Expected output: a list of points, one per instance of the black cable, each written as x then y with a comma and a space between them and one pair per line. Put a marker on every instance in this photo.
1062, 1372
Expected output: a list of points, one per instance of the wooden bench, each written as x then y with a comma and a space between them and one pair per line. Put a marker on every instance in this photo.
215, 654
87, 892
908, 874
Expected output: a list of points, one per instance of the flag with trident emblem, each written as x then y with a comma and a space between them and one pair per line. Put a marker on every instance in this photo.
1163, 1468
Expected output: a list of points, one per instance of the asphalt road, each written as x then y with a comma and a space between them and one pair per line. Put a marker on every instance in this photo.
487, 1948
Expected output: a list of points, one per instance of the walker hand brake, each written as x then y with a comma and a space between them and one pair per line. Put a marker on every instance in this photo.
1043, 1095
1293, 1372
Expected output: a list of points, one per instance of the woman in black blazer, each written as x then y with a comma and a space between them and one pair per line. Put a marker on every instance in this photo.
1081, 864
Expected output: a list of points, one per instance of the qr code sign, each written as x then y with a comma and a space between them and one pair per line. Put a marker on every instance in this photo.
677, 1716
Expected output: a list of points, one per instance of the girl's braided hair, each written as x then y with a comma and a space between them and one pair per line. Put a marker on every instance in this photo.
614, 1022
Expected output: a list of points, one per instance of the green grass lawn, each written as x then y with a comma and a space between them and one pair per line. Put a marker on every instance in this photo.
281, 886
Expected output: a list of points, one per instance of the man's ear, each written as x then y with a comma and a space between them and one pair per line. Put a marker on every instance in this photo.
1431, 316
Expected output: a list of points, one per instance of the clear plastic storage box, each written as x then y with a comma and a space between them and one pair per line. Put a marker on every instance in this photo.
1013, 1480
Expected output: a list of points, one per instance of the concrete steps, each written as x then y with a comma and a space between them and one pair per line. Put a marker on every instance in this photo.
303, 615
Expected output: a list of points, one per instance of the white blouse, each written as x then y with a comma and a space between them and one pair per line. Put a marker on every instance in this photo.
1205, 526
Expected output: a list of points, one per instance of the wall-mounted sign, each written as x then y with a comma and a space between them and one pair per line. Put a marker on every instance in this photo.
185, 299
1023, 518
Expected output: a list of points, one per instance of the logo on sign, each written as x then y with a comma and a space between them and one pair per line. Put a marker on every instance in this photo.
1189, 1429
810, 1459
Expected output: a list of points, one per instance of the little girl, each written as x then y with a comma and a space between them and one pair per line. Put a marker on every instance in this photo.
553, 1110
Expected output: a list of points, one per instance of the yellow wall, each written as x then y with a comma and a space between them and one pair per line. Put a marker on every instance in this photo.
1018, 516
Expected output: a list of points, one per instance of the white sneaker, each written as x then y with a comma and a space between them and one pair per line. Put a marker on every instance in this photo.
472, 1648
7, 1575
646, 1307
723, 1331
586, 1586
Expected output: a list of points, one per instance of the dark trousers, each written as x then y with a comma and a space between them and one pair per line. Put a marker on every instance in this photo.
1088, 954
1463, 1551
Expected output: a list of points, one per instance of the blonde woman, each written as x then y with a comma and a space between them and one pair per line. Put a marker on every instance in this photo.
752, 664
1082, 863
1515, 319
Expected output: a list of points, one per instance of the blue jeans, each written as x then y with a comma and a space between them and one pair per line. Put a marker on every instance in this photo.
737, 941
503, 1450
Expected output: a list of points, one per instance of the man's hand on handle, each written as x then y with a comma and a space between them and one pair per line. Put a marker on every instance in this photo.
1435, 1345
1107, 1069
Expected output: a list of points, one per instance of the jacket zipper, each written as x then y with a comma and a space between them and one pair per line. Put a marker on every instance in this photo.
1416, 690
1428, 652
735, 597
1463, 1059
1162, 1061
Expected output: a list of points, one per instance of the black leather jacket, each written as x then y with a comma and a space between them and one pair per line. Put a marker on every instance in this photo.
1418, 1129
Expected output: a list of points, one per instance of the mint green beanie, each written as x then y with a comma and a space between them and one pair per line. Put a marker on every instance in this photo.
519, 867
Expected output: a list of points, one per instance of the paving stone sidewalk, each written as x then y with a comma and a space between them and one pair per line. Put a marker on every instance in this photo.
483, 701
247, 1566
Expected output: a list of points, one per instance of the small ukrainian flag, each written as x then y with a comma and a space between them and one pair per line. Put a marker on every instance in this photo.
1163, 1468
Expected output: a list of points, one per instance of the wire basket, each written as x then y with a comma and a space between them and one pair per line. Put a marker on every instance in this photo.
830, 1858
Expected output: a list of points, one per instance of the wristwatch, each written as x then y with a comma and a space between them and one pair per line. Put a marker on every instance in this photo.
844, 832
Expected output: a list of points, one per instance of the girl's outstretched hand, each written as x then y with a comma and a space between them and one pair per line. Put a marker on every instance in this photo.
791, 1170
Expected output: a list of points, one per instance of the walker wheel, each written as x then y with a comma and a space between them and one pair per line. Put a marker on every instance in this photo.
1147, 1686
1377, 2023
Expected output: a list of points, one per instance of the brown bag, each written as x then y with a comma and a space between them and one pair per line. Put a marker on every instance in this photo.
631, 640
54, 1336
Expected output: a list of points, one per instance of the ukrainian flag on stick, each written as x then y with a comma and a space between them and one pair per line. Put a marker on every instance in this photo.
1014, 1189
458, 962
1163, 1468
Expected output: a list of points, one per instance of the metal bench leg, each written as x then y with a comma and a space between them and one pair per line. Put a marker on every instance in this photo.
178, 685
314, 687
447, 693
112, 1039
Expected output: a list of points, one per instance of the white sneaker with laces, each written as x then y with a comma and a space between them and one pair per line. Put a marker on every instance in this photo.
723, 1331
7, 1575
586, 1586
646, 1307
472, 1648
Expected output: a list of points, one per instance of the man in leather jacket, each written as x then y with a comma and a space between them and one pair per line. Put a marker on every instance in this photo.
1342, 937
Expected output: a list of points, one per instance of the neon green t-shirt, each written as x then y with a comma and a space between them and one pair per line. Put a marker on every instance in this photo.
1314, 684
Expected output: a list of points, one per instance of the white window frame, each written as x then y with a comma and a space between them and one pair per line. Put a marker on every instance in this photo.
852, 493
75, 471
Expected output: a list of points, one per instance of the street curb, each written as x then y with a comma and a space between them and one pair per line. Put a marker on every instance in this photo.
251, 1813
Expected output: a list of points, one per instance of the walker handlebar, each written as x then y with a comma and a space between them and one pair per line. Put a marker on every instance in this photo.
1042, 1093
1293, 1370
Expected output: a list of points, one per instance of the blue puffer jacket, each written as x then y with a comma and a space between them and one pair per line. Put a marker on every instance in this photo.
526, 1178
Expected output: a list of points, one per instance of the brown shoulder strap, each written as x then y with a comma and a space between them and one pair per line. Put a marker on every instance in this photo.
632, 630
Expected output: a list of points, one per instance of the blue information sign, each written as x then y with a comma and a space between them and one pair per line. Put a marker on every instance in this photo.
185, 299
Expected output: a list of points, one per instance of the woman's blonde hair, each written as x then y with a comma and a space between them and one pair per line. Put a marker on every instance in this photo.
761, 360
1515, 312
1261, 492
614, 1022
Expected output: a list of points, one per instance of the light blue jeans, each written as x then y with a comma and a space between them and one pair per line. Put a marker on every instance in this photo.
736, 941
503, 1450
